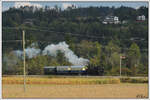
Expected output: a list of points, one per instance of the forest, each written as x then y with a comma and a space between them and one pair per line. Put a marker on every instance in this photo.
82, 29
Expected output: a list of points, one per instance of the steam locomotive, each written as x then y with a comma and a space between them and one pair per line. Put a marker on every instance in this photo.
73, 70
51, 70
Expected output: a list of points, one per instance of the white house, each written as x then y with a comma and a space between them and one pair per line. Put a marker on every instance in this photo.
111, 20
141, 18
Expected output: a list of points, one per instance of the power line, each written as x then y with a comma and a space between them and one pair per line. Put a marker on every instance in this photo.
56, 32
79, 35
12, 41
70, 34
79, 45
15, 40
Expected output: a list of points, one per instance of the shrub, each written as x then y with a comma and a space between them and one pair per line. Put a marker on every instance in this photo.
134, 80
126, 71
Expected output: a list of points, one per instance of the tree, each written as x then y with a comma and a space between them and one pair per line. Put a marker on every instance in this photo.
70, 41
61, 59
35, 65
143, 11
85, 49
11, 64
98, 49
95, 61
112, 52
103, 61
115, 62
134, 58
111, 48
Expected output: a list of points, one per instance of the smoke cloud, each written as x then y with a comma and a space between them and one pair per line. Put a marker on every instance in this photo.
69, 54
30, 52
52, 50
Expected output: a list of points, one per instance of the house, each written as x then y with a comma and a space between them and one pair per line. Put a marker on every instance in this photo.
124, 21
141, 18
81, 18
28, 21
111, 20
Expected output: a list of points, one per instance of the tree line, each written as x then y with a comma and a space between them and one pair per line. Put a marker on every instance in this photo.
83, 31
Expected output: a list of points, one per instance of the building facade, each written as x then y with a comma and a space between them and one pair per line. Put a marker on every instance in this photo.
141, 18
111, 20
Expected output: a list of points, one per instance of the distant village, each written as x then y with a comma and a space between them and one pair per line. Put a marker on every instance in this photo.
106, 20
115, 20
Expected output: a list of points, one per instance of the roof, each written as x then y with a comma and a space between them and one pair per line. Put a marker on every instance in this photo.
77, 66
49, 66
64, 66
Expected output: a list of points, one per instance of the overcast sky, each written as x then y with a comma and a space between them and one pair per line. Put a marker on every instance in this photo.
64, 5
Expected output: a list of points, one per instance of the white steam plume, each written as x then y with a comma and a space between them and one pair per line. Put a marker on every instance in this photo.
30, 52
52, 50
64, 48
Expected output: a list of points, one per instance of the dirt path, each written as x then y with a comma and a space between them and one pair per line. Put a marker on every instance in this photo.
76, 91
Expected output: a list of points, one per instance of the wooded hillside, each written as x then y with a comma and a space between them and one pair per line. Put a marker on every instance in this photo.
82, 29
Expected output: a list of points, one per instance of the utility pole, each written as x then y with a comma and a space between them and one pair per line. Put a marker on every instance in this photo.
120, 65
121, 57
24, 60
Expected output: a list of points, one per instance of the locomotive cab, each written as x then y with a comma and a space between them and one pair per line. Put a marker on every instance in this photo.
49, 70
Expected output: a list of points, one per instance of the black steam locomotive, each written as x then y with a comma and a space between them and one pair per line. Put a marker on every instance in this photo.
71, 70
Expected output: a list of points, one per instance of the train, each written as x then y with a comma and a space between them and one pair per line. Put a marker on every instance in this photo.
73, 70
51, 70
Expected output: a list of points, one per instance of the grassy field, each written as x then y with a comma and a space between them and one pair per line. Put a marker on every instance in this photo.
76, 91
72, 80
60, 81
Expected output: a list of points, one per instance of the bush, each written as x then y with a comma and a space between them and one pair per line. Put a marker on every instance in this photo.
134, 80
126, 71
